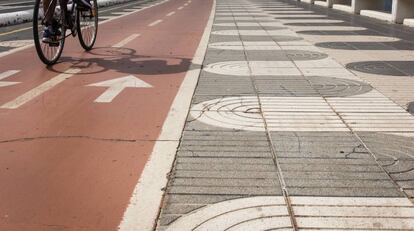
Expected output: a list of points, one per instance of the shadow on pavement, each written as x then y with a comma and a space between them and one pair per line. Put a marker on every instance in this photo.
123, 60
395, 68
367, 45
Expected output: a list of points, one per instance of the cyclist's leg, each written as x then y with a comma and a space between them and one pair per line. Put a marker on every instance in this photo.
65, 13
49, 9
84, 4
51, 31
64, 5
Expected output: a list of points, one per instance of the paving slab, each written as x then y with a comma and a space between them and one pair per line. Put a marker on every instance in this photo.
298, 104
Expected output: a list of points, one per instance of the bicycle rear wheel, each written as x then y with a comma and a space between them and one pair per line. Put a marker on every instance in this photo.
87, 26
48, 53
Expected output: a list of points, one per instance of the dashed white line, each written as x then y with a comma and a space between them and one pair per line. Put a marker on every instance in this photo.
106, 17
155, 23
26, 97
7, 74
180, 8
126, 41
118, 13
171, 13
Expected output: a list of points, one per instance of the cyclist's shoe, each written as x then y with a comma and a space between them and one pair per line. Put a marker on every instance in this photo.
51, 35
84, 5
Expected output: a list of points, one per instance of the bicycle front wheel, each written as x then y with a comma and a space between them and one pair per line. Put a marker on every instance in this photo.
87, 26
49, 53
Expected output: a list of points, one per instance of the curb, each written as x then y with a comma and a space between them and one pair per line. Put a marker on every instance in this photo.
13, 18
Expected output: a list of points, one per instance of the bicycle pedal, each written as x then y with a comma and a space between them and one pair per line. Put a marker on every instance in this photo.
54, 44
50, 43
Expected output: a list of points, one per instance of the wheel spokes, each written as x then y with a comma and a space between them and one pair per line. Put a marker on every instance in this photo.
87, 21
50, 52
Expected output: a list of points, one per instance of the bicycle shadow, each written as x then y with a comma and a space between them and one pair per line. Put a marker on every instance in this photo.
123, 60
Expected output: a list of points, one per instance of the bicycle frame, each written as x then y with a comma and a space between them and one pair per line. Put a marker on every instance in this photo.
72, 4
63, 17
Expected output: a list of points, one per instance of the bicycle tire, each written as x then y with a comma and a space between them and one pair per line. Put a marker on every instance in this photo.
55, 54
85, 40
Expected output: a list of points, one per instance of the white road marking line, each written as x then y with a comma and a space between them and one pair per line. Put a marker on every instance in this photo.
16, 43
180, 8
126, 41
186, 4
116, 86
127, 14
118, 13
15, 50
155, 23
26, 97
171, 13
7, 74
334, 213
106, 17
145, 202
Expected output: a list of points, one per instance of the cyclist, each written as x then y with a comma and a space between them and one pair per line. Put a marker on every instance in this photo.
51, 31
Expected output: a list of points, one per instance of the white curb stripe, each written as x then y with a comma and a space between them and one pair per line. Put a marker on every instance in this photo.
146, 199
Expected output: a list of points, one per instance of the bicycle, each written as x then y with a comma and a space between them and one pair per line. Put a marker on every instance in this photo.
84, 24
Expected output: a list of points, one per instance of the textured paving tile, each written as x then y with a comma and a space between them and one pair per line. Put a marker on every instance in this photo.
299, 92
341, 155
395, 153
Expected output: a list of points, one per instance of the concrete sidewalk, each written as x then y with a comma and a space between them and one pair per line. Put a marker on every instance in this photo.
298, 122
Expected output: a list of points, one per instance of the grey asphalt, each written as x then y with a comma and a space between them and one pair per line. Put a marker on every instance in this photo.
7, 6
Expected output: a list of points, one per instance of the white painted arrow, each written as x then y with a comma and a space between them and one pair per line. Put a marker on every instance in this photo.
7, 74
116, 86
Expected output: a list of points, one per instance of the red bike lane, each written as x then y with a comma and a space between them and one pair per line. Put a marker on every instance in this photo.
73, 146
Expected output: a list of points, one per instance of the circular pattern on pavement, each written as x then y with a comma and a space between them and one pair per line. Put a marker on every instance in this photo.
254, 213
284, 38
305, 55
240, 113
337, 87
256, 68
279, 66
254, 32
310, 213
252, 26
395, 68
281, 114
